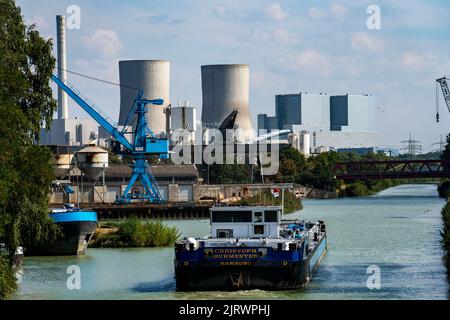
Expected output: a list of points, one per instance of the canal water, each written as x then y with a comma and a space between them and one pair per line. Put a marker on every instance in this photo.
395, 233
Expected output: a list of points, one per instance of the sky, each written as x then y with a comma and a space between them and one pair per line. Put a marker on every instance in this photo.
290, 46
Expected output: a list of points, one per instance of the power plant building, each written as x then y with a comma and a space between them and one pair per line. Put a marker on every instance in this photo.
341, 121
225, 88
267, 123
153, 78
310, 109
183, 123
352, 113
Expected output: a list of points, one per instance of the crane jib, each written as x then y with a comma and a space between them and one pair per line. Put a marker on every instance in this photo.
445, 90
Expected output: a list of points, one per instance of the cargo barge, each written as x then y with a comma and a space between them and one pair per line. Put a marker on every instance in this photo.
78, 227
250, 248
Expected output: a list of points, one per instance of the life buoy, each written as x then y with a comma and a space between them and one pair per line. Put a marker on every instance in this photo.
135, 190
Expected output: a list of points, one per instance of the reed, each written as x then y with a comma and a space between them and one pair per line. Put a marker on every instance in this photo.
136, 233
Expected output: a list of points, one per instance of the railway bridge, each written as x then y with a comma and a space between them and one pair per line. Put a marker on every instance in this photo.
392, 169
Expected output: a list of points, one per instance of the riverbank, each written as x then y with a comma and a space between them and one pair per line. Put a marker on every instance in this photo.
134, 233
445, 234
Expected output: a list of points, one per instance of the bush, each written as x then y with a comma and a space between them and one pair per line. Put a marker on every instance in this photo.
134, 233
7, 279
356, 189
445, 234
444, 189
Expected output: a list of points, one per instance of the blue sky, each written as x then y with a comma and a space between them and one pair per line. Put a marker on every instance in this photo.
290, 46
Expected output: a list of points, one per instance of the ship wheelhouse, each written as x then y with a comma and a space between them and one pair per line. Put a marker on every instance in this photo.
245, 222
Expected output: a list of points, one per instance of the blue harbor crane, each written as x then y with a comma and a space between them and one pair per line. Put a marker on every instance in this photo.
144, 144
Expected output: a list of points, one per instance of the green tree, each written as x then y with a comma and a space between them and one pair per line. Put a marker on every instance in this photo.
26, 103
446, 152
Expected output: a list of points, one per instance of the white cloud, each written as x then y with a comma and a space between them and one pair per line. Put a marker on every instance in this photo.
361, 41
310, 59
339, 11
258, 78
278, 35
418, 61
315, 13
285, 36
220, 11
40, 21
106, 42
336, 11
275, 12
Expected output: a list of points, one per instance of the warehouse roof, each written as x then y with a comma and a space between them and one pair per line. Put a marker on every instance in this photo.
160, 171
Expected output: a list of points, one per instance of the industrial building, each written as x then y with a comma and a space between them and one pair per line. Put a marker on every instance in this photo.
225, 88
153, 78
352, 113
70, 132
332, 122
176, 183
309, 109
392, 152
183, 123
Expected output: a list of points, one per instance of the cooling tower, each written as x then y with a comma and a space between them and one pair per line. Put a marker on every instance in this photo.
153, 77
226, 88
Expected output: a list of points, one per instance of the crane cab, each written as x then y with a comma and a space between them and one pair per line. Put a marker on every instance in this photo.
157, 146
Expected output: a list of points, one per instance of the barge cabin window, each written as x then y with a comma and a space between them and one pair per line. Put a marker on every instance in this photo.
224, 233
232, 216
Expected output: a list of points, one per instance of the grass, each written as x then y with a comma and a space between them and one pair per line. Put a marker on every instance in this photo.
136, 233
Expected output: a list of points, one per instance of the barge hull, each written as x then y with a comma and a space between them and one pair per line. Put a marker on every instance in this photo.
76, 236
274, 275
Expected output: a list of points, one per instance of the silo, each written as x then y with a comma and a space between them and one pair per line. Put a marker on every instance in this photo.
153, 77
62, 164
305, 143
225, 88
92, 161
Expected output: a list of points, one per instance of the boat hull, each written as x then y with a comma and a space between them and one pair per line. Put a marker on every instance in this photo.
263, 274
77, 229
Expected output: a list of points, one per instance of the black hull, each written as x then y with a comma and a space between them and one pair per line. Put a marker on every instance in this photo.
75, 240
205, 278
270, 275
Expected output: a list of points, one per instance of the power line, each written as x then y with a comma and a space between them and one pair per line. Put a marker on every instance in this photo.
98, 79
412, 147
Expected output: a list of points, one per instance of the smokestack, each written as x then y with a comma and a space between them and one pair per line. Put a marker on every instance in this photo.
62, 74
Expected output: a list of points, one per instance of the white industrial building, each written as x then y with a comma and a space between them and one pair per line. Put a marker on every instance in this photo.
332, 122
70, 132
183, 123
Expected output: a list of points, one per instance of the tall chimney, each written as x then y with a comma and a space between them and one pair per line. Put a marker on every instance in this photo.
62, 74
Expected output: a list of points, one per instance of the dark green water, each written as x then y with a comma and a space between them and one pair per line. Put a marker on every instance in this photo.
396, 230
